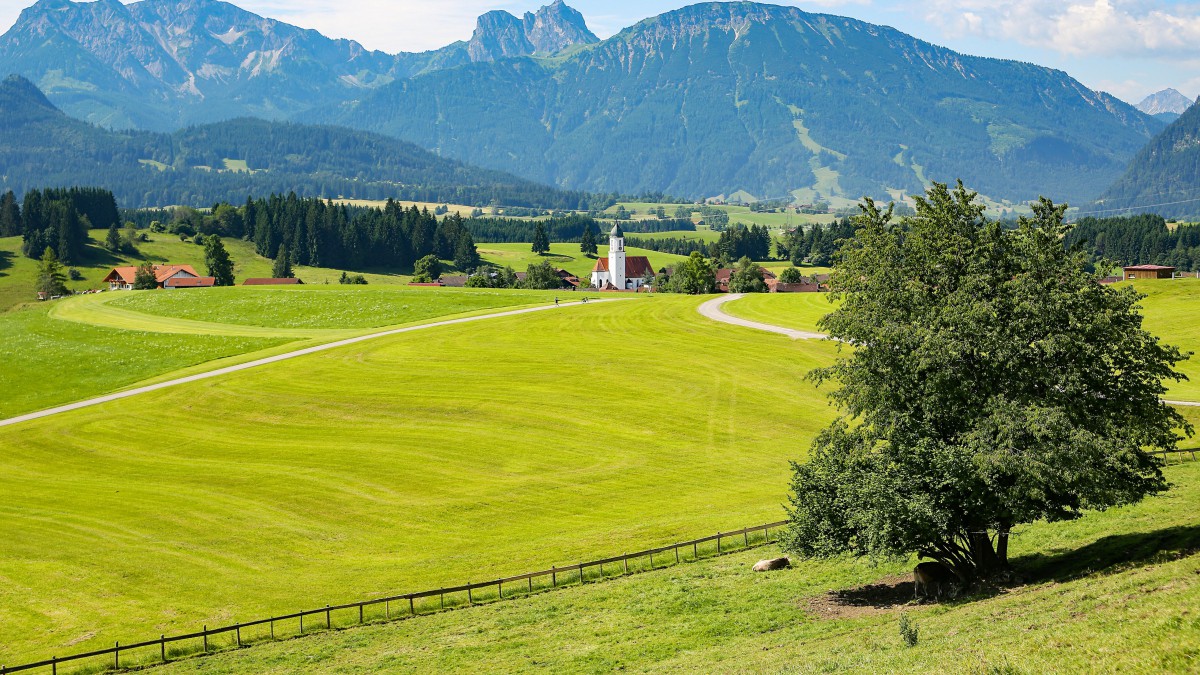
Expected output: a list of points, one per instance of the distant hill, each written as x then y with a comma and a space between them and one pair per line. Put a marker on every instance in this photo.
772, 100
162, 64
1164, 177
40, 146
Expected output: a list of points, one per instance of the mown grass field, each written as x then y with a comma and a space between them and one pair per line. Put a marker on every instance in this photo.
408, 462
1112, 592
737, 214
75, 348
800, 311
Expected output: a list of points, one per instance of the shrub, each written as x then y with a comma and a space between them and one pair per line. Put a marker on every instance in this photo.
909, 632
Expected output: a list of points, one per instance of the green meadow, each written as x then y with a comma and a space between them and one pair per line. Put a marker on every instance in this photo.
737, 214
1112, 592
75, 348
412, 461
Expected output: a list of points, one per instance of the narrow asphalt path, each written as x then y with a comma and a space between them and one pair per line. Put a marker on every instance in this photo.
274, 359
712, 309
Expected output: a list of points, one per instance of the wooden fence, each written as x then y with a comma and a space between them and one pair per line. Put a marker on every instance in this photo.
414, 604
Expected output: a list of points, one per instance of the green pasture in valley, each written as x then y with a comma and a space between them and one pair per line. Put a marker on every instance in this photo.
413, 461
1112, 592
326, 306
75, 348
1172, 311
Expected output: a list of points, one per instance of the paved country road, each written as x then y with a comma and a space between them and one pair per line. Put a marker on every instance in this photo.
712, 309
274, 359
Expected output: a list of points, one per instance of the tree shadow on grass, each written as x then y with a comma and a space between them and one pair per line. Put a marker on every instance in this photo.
5, 262
1111, 554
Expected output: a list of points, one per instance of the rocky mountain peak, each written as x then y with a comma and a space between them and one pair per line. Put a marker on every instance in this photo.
1165, 101
551, 29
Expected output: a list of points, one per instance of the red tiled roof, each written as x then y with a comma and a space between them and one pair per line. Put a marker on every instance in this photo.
1148, 268
636, 266
161, 273
262, 281
724, 273
190, 282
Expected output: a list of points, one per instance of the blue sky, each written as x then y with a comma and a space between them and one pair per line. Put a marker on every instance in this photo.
1130, 48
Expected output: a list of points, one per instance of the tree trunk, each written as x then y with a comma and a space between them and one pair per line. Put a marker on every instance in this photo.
1002, 545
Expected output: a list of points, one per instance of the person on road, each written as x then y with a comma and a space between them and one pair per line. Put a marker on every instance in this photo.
556, 300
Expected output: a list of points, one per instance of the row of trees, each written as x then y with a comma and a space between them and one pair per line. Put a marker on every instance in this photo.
1138, 240
815, 245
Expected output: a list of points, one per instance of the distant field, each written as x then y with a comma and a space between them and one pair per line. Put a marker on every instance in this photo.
565, 256
737, 214
1172, 311
461, 209
323, 307
701, 234
411, 461
1112, 592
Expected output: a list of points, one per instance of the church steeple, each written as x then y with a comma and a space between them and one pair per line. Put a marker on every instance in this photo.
616, 257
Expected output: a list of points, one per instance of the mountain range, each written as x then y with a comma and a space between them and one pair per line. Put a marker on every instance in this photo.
1167, 105
705, 100
162, 64
227, 161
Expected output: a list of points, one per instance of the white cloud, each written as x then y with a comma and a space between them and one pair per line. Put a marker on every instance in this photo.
1076, 27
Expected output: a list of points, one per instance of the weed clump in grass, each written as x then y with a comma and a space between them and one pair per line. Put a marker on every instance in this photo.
909, 631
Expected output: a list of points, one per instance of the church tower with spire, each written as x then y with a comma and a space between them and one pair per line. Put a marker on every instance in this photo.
616, 257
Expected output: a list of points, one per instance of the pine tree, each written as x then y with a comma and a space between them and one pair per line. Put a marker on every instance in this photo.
282, 269
587, 243
10, 216
51, 279
112, 241
541, 240
220, 266
466, 256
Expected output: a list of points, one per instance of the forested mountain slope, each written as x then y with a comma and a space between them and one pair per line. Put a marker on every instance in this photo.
1164, 177
724, 96
227, 161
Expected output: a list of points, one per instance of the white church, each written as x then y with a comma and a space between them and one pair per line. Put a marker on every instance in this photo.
618, 272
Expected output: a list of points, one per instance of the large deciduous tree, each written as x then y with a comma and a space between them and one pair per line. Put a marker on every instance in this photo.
989, 381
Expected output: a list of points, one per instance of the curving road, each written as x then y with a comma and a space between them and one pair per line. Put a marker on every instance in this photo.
712, 309
275, 359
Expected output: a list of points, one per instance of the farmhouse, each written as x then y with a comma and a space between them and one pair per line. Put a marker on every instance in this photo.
122, 278
618, 272
1149, 272
271, 282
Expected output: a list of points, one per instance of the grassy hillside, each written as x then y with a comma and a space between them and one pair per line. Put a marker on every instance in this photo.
1113, 592
18, 274
412, 461
800, 311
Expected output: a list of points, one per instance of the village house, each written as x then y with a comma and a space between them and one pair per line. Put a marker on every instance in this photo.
165, 276
618, 272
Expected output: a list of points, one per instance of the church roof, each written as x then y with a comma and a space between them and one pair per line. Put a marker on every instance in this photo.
616, 231
636, 266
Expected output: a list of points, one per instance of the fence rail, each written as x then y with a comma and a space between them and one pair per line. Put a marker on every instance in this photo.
559, 576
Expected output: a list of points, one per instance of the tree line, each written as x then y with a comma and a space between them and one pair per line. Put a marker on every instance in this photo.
57, 219
1144, 239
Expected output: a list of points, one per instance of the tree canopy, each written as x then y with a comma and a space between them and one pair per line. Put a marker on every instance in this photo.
992, 382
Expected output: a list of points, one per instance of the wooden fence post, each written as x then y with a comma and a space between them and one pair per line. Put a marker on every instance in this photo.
500, 588
360, 613
470, 598
272, 628
53, 665
327, 625
718, 543
205, 633
676, 554
695, 551
553, 577
531, 584
443, 596
412, 607
163, 646
302, 624
238, 629
580, 574
117, 656
651, 559
625, 559
746, 536
387, 610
